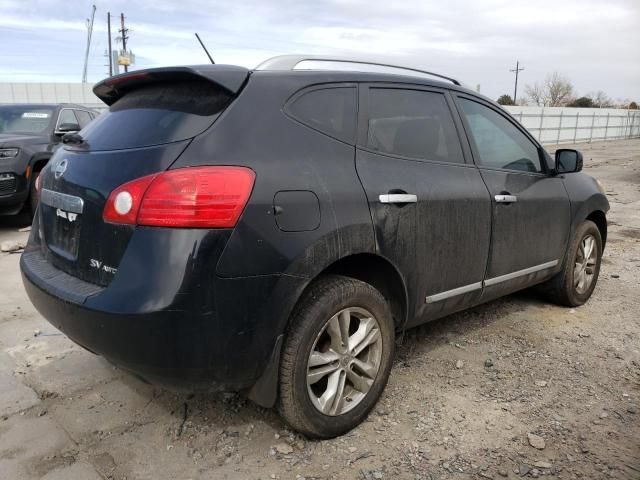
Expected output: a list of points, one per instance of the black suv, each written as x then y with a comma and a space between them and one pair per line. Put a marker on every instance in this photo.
269, 231
29, 134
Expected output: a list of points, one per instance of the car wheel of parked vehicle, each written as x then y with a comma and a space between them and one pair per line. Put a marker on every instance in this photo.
33, 195
574, 285
336, 358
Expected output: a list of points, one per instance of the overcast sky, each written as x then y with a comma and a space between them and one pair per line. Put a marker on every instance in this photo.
594, 43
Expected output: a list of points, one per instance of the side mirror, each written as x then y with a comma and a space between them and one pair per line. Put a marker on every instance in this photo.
568, 160
66, 128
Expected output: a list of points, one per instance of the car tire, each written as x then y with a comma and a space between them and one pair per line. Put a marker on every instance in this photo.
574, 285
326, 366
33, 195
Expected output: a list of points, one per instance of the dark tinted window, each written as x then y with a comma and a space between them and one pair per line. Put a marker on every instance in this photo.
412, 123
157, 113
83, 117
500, 144
330, 110
24, 119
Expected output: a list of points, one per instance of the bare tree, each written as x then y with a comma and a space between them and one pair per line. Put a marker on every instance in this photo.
558, 89
601, 99
554, 92
535, 94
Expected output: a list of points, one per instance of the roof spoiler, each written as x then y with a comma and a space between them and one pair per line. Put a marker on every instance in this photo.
229, 77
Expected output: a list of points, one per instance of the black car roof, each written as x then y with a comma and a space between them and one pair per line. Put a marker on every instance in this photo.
325, 76
287, 64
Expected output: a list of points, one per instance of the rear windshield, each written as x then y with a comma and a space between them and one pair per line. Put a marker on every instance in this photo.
156, 114
24, 119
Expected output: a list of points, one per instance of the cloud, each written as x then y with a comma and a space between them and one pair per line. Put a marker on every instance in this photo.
592, 42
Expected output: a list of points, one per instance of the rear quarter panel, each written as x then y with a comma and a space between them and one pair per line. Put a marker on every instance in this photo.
285, 155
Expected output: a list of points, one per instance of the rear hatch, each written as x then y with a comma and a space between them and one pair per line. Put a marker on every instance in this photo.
153, 116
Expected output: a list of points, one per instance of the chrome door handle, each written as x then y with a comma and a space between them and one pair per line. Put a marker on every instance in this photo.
398, 198
506, 198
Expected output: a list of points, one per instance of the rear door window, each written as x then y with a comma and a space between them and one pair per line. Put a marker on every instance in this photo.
329, 110
156, 114
412, 123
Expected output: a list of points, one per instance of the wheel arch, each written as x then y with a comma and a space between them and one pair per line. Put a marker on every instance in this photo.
600, 219
39, 162
378, 272
371, 268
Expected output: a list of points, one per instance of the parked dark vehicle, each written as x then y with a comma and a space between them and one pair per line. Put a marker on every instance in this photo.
270, 231
29, 134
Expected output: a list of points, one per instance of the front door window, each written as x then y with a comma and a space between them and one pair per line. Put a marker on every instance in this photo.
499, 143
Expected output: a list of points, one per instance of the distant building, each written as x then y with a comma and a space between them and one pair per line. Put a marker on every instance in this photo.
31, 92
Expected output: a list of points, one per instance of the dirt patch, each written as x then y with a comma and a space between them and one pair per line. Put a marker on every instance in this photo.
630, 233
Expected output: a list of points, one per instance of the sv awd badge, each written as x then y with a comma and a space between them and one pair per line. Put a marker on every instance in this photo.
97, 264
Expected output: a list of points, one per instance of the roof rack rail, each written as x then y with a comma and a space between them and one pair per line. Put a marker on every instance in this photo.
289, 62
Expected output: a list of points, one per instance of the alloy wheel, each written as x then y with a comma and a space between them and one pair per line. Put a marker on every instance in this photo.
585, 264
344, 361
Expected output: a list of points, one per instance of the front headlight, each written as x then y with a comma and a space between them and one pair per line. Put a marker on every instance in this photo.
600, 187
8, 152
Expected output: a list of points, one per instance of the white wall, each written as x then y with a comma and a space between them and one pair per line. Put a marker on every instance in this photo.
553, 125
80, 93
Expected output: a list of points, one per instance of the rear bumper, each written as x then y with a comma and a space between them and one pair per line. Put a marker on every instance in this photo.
149, 345
218, 336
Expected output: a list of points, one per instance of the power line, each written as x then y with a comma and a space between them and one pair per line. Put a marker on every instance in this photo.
516, 71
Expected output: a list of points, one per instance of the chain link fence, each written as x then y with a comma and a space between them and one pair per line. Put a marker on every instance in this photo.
556, 125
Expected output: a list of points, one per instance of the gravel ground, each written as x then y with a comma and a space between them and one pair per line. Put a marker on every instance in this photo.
516, 388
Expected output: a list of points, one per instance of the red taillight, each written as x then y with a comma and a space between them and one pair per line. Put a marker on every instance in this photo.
193, 197
113, 210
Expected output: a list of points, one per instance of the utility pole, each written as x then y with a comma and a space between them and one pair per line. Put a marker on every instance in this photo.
86, 53
124, 31
110, 49
515, 89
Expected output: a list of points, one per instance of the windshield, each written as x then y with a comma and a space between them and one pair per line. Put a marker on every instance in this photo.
24, 119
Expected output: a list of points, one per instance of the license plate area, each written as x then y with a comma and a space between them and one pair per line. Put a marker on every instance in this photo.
63, 217
64, 235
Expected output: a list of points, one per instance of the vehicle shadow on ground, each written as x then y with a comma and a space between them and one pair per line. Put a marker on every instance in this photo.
15, 222
233, 414
450, 329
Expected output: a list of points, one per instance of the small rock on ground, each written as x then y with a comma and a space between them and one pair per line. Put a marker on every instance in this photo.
536, 441
283, 448
11, 246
